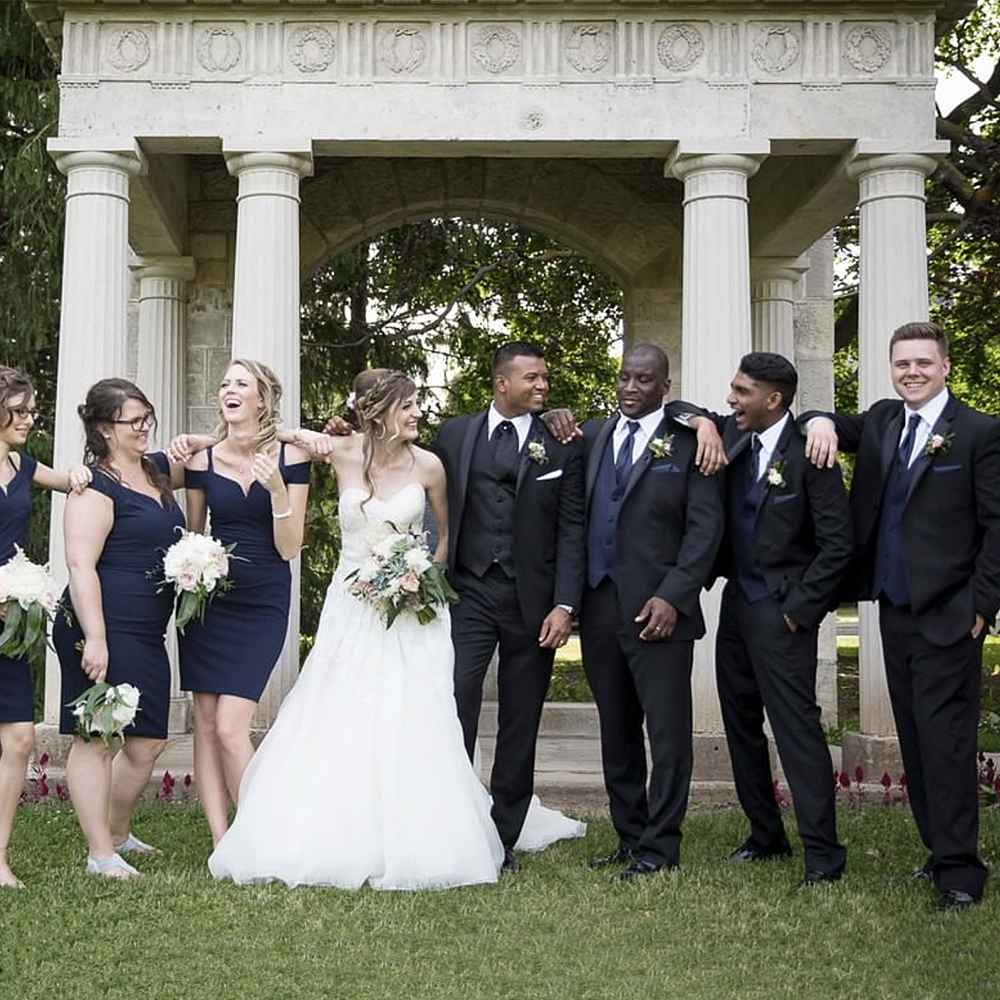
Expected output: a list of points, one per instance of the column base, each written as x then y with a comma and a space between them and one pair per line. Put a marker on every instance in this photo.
181, 715
875, 755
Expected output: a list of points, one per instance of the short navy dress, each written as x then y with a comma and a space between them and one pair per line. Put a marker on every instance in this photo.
135, 615
16, 701
235, 648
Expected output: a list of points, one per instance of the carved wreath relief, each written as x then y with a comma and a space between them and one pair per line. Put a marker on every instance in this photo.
496, 49
311, 49
776, 49
403, 49
867, 48
219, 49
128, 50
680, 46
588, 48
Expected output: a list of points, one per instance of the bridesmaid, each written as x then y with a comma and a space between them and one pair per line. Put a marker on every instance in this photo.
255, 491
116, 532
18, 473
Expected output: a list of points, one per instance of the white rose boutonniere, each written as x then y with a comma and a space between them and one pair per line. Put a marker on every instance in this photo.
661, 447
776, 475
938, 444
537, 453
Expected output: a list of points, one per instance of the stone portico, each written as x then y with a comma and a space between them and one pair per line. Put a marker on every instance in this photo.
219, 151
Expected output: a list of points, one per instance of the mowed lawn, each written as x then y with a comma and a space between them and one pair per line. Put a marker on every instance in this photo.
555, 930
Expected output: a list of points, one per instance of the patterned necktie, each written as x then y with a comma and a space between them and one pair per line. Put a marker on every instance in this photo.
623, 463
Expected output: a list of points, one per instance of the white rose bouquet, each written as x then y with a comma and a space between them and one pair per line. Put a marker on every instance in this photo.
399, 576
105, 709
198, 567
28, 602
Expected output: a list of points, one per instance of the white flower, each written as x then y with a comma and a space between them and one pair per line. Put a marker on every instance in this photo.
352, 400
537, 453
129, 695
417, 560
384, 548
775, 477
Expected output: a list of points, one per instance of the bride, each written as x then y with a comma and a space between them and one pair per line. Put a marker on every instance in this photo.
364, 776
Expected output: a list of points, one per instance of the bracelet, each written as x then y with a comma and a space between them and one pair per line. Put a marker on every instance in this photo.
281, 517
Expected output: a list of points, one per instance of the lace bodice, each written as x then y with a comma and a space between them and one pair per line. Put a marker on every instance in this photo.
405, 510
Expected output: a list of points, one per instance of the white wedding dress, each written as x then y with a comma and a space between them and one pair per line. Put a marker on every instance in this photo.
364, 777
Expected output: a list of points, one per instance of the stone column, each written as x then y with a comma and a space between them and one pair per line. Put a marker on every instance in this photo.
266, 315
92, 326
892, 291
772, 302
160, 373
715, 329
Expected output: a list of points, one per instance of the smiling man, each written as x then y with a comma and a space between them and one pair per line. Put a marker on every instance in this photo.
925, 500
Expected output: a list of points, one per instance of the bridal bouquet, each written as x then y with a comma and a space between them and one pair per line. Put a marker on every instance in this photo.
105, 709
198, 567
28, 602
399, 576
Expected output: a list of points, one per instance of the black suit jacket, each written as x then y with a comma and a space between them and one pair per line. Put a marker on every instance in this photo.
951, 521
669, 526
803, 533
548, 515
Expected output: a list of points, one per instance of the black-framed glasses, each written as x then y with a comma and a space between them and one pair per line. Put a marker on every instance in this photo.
24, 412
139, 424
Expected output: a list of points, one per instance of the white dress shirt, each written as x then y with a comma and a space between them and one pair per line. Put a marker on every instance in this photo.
522, 424
929, 415
644, 434
768, 442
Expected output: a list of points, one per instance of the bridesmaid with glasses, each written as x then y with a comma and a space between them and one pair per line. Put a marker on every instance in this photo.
19, 472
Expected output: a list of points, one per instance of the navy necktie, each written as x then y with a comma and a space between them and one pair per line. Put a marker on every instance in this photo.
623, 463
906, 445
755, 461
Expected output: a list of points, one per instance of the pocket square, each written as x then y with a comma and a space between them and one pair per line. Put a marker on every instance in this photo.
785, 497
665, 467
945, 468
554, 474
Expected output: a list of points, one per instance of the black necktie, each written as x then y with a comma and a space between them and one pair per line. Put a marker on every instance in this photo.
623, 463
505, 450
906, 445
755, 461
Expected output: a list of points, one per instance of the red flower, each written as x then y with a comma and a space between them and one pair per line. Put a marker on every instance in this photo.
859, 774
43, 787
902, 780
886, 781
43, 760
62, 792
845, 781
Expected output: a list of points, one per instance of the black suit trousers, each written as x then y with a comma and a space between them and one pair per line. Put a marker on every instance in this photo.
632, 681
761, 665
935, 695
489, 614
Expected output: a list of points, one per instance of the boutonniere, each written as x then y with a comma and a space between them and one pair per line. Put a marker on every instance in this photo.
662, 447
537, 452
776, 475
938, 444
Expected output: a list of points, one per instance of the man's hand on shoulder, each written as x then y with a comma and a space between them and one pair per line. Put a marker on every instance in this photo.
562, 425
821, 442
711, 455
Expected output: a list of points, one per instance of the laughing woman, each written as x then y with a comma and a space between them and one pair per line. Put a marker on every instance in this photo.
18, 474
116, 532
255, 490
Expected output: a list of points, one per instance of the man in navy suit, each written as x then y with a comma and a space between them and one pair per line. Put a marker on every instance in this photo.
787, 544
515, 513
653, 527
925, 499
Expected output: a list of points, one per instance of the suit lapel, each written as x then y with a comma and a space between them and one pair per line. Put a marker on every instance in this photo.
777, 456
535, 434
597, 453
923, 463
641, 464
890, 442
472, 431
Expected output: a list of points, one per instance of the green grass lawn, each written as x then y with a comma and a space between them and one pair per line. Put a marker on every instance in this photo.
554, 931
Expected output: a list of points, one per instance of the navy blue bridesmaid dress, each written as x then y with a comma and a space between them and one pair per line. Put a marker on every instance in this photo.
135, 615
16, 702
235, 648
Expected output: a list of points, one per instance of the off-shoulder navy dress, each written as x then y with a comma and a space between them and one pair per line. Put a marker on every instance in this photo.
135, 615
16, 702
235, 648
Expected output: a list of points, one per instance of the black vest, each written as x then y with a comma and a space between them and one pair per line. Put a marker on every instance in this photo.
890, 574
602, 519
742, 512
486, 535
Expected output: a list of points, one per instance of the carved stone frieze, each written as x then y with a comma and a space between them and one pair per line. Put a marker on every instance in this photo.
403, 49
588, 47
128, 49
680, 46
777, 48
218, 49
496, 48
867, 48
311, 49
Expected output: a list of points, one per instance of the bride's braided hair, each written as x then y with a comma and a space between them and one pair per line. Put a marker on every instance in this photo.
377, 391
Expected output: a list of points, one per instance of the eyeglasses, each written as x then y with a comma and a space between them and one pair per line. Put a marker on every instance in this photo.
23, 413
139, 424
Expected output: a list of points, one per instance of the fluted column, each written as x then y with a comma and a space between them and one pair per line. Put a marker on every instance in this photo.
266, 318
892, 291
160, 373
715, 330
772, 303
95, 286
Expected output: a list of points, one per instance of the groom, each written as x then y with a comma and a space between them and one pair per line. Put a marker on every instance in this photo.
516, 558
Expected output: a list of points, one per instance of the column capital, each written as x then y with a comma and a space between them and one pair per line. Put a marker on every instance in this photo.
289, 156
683, 165
778, 268
122, 155
860, 163
171, 268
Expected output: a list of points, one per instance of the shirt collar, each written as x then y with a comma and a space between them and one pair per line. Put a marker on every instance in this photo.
522, 424
647, 424
769, 438
931, 411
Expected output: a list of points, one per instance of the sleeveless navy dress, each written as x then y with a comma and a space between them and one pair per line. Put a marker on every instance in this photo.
135, 615
236, 647
16, 701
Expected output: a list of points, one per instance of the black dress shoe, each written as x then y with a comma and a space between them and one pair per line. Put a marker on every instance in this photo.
510, 862
811, 879
751, 852
954, 899
619, 856
640, 870
924, 873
